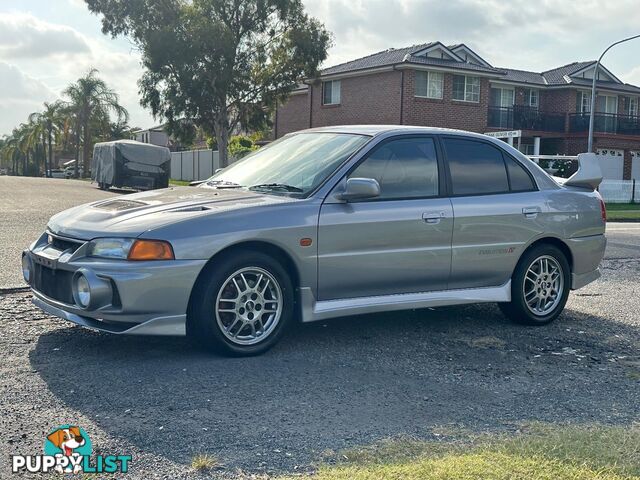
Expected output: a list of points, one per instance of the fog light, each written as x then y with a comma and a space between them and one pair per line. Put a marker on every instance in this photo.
26, 268
82, 291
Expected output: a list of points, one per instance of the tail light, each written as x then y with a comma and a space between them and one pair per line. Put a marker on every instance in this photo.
603, 210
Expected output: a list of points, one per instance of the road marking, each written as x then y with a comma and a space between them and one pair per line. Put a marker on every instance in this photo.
623, 227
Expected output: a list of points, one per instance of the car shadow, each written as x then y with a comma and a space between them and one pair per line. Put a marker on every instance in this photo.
350, 381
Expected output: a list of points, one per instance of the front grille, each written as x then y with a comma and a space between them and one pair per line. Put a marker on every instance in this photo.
54, 283
63, 244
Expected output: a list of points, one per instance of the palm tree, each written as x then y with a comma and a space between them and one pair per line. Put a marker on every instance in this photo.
10, 152
90, 97
51, 121
25, 145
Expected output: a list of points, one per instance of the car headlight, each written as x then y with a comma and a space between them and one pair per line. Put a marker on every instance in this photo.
26, 268
130, 249
110, 247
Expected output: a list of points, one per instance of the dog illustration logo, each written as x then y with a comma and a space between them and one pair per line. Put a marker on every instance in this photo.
69, 441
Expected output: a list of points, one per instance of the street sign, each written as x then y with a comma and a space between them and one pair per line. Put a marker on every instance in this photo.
506, 134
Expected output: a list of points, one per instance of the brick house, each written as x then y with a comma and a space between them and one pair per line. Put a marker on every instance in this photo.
452, 86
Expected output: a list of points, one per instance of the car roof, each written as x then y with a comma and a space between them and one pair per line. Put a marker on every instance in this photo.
375, 130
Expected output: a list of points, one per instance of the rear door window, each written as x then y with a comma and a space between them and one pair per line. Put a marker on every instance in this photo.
476, 168
519, 178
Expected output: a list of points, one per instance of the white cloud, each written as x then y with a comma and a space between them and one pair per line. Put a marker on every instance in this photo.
518, 33
20, 95
50, 56
25, 36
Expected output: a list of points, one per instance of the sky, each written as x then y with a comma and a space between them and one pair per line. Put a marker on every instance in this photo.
47, 44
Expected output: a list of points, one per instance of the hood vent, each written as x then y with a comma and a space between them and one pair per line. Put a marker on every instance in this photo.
118, 205
195, 208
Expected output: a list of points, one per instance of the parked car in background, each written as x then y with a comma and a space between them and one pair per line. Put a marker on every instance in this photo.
57, 173
326, 223
70, 172
4, 171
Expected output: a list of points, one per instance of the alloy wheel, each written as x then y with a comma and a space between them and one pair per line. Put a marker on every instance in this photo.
543, 285
249, 306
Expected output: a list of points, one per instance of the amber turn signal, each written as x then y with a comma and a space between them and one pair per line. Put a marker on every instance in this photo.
151, 250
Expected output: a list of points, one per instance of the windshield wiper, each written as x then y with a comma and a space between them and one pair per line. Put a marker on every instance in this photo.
222, 184
276, 186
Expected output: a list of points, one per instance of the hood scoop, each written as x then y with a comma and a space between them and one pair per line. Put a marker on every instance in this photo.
119, 205
194, 208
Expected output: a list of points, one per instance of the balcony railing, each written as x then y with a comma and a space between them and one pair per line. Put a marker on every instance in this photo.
520, 117
605, 123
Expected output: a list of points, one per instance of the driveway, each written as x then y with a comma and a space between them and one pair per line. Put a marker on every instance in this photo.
26, 204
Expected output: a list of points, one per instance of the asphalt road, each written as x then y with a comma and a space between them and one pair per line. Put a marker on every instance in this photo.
326, 386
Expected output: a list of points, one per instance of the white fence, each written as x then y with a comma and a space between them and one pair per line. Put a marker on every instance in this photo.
195, 164
620, 191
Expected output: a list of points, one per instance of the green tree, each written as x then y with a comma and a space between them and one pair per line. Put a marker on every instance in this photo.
91, 101
47, 125
218, 63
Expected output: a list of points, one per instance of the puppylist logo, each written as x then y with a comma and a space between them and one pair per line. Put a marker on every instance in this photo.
68, 449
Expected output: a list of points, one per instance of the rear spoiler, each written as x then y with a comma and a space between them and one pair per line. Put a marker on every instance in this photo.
589, 174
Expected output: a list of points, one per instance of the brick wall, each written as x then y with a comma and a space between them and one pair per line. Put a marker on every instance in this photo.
446, 113
368, 99
558, 101
293, 115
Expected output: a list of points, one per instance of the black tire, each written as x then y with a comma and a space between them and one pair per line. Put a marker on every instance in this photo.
202, 322
517, 310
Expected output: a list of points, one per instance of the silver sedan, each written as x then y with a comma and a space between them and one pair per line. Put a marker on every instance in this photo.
326, 223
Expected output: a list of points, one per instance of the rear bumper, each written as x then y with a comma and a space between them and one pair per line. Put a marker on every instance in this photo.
586, 254
582, 279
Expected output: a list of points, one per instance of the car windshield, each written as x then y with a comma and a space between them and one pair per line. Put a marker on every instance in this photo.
294, 165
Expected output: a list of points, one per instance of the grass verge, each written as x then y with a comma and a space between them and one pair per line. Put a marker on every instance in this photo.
179, 183
540, 452
623, 212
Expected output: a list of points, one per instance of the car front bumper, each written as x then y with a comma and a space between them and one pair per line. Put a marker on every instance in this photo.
142, 298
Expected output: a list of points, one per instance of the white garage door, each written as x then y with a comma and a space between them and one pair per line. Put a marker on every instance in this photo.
611, 163
635, 165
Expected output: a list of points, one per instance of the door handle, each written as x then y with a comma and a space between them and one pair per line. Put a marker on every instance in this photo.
531, 212
433, 217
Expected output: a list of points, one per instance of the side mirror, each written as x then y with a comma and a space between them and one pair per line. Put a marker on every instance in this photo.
359, 189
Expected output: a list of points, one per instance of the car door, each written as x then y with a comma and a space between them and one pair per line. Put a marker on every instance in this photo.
498, 211
399, 242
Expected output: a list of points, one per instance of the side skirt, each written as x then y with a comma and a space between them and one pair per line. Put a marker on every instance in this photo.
313, 310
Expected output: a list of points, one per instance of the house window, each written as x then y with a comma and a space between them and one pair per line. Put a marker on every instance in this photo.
584, 105
633, 106
466, 89
331, 92
429, 84
532, 98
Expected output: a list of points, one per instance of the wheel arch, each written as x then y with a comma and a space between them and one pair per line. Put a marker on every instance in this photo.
556, 242
268, 248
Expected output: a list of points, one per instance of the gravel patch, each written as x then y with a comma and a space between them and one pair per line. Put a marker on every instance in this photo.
329, 385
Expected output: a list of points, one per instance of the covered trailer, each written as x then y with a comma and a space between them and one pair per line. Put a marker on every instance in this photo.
127, 163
